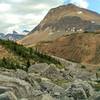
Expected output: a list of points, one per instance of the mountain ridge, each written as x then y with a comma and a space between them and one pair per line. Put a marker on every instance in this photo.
14, 36
62, 20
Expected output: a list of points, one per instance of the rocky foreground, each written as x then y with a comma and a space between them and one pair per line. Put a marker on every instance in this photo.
50, 82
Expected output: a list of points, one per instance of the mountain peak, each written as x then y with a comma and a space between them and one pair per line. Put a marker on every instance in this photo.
68, 6
15, 32
71, 5
62, 20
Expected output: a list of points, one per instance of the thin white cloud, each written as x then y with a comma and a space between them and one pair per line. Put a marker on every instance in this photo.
4, 7
41, 6
80, 3
19, 28
16, 14
13, 18
17, 1
31, 16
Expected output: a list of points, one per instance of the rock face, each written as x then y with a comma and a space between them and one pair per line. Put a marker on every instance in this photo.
62, 20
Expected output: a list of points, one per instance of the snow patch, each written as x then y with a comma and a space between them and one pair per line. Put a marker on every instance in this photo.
92, 21
79, 12
51, 33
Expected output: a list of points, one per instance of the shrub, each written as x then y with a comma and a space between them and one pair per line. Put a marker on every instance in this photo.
84, 67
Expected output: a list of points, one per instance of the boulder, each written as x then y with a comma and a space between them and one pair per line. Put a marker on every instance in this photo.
79, 90
97, 98
47, 97
8, 96
53, 73
38, 68
20, 88
46, 85
37, 93
57, 91
21, 74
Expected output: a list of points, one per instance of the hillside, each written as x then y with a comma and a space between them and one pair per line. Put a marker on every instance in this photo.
66, 19
14, 56
27, 74
78, 47
51, 78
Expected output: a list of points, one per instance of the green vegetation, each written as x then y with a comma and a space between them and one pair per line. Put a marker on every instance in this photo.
26, 56
61, 82
83, 67
93, 32
10, 64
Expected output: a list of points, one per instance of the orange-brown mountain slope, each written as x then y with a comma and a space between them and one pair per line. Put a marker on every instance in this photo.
79, 47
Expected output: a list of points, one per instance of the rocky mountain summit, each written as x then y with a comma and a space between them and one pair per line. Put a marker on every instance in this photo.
47, 82
66, 19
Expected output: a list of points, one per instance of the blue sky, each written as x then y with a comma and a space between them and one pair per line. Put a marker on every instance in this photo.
26, 14
89, 4
94, 5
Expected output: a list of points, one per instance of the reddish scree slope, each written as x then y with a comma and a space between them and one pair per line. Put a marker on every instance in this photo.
81, 47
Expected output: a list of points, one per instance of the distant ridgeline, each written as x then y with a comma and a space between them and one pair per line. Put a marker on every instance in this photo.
11, 36
22, 57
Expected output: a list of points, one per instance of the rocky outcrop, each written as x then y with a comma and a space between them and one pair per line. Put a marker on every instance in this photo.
7, 96
80, 90
38, 68
48, 82
19, 87
53, 73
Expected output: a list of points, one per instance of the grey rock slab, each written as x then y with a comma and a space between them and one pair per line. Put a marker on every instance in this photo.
80, 90
21, 74
8, 96
53, 73
38, 68
19, 87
